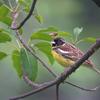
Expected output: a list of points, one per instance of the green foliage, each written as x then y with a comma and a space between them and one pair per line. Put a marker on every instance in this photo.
25, 2
4, 37
7, 20
48, 30
2, 55
43, 34
26, 7
45, 47
89, 39
39, 18
17, 62
3, 11
4, 15
64, 34
29, 64
76, 32
23, 61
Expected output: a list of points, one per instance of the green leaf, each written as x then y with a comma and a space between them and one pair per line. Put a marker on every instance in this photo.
39, 18
17, 62
26, 9
43, 34
42, 47
7, 20
4, 37
3, 11
64, 34
89, 39
25, 2
2, 55
48, 30
29, 64
77, 31
22, 2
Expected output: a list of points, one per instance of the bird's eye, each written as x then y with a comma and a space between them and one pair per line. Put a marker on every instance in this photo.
53, 43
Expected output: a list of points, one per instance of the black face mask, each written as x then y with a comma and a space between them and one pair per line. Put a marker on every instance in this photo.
58, 42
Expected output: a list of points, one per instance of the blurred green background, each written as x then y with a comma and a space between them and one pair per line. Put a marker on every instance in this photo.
65, 15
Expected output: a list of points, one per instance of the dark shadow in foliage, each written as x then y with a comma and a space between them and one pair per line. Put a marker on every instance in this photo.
97, 2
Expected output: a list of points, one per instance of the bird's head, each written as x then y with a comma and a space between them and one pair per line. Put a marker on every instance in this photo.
57, 42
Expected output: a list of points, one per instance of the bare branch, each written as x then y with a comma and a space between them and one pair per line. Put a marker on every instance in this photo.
59, 79
14, 16
30, 83
27, 17
85, 89
65, 74
31, 51
89, 53
57, 92
41, 88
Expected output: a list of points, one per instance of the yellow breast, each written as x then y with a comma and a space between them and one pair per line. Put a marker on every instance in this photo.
61, 60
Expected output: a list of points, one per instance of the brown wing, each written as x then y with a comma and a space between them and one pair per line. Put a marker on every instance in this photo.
73, 53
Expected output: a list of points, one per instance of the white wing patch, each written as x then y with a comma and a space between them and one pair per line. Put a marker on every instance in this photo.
62, 51
52, 42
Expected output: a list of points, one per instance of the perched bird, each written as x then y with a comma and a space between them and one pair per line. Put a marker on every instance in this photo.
67, 54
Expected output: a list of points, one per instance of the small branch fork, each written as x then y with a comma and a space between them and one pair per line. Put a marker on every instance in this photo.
63, 75
58, 79
27, 17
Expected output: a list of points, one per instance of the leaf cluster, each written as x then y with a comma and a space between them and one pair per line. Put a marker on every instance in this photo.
23, 61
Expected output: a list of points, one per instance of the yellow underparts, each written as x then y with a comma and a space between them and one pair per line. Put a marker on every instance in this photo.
61, 60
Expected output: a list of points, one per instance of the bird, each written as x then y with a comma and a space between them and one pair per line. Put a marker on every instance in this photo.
66, 54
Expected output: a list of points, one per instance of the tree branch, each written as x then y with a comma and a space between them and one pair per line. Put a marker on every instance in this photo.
59, 79
31, 51
85, 89
30, 83
27, 17
65, 74
57, 91
44, 65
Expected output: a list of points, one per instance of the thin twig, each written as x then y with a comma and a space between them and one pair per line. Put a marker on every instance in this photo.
85, 89
14, 26
41, 88
10, 5
30, 83
34, 85
31, 51
65, 74
57, 91
44, 65
61, 77
27, 17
